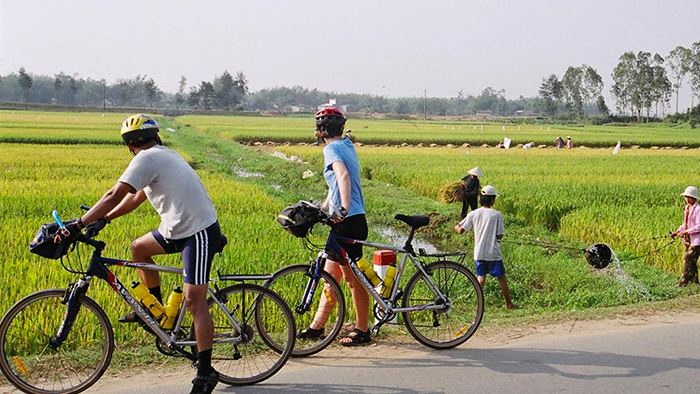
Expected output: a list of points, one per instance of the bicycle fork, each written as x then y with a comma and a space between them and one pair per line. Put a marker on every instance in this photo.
72, 300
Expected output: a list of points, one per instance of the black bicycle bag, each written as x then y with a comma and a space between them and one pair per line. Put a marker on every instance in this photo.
298, 219
44, 243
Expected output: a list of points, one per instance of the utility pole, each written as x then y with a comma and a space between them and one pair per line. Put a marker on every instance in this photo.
104, 101
425, 104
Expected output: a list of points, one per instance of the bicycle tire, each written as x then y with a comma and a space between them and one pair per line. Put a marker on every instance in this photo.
453, 326
259, 310
41, 313
291, 281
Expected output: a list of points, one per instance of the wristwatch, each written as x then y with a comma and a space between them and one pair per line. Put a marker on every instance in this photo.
343, 212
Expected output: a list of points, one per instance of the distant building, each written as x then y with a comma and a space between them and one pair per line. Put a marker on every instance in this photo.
332, 103
484, 112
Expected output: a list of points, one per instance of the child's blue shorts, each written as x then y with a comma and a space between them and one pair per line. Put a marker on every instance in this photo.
495, 268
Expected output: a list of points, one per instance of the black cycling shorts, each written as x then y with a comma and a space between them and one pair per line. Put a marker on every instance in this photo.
354, 227
197, 251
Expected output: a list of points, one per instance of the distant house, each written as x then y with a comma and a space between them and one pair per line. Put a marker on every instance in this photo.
520, 112
332, 103
484, 112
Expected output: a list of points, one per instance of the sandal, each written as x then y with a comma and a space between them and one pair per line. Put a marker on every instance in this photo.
311, 333
205, 384
359, 338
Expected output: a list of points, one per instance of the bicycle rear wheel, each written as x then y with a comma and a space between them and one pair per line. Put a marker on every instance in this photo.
459, 319
31, 365
290, 282
265, 319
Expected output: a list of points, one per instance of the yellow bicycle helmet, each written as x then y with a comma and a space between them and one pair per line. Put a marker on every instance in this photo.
139, 129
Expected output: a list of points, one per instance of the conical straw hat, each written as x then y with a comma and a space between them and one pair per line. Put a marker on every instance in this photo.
476, 171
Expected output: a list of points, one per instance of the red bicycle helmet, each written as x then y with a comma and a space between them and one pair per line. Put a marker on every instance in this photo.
329, 116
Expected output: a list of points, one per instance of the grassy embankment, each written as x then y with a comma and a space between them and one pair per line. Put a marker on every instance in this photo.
378, 132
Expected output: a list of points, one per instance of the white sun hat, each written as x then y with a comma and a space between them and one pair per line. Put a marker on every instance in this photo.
691, 191
489, 191
476, 171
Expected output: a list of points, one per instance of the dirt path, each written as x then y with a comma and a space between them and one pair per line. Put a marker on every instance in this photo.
161, 377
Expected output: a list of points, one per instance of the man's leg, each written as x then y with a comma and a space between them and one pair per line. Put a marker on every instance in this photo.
196, 302
326, 305
481, 279
690, 268
506, 292
142, 251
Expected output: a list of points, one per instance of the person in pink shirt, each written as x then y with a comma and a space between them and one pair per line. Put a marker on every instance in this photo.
690, 232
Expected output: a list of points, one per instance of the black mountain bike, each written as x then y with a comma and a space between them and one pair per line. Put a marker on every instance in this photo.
61, 341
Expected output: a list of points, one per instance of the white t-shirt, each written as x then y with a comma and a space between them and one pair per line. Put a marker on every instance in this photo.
487, 224
174, 190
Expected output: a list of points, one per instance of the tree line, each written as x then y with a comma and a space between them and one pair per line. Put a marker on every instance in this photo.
225, 92
228, 92
642, 82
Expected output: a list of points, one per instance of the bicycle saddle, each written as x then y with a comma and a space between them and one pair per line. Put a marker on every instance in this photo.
417, 221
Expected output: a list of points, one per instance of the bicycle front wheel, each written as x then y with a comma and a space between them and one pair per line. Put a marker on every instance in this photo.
31, 365
264, 319
291, 282
462, 310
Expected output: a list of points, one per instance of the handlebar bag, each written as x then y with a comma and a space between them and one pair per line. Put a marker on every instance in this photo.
43, 243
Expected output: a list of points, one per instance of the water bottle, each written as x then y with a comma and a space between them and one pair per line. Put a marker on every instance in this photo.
368, 270
171, 309
148, 300
388, 281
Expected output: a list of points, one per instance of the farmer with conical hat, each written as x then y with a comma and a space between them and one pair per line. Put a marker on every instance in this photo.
689, 231
472, 190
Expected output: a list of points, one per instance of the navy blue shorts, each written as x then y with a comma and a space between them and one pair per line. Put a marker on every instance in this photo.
495, 268
197, 251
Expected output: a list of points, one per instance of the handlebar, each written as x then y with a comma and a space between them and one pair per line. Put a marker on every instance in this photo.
85, 238
64, 230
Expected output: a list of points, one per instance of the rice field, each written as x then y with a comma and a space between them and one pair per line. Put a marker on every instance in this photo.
40, 127
61, 160
35, 179
587, 195
376, 131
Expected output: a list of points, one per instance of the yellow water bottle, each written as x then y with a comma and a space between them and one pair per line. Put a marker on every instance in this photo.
171, 309
368, 270
388, 281
148, 300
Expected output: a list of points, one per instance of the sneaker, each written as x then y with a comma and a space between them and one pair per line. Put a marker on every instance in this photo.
205, 384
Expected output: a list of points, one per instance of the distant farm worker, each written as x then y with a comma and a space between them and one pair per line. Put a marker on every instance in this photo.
487, 224
689, 231
560, 143
569, 143
471, 192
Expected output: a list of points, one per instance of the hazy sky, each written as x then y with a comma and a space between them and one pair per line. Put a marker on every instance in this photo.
395, 48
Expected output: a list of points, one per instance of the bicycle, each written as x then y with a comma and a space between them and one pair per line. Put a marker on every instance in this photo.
61, 341
442, 304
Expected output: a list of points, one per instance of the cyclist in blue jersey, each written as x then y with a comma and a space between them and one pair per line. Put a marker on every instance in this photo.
345, 202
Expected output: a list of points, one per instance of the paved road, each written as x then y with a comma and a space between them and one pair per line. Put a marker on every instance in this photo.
647, 359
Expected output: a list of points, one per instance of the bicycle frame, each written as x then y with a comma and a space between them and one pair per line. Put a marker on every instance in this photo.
98, 268
387, 304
